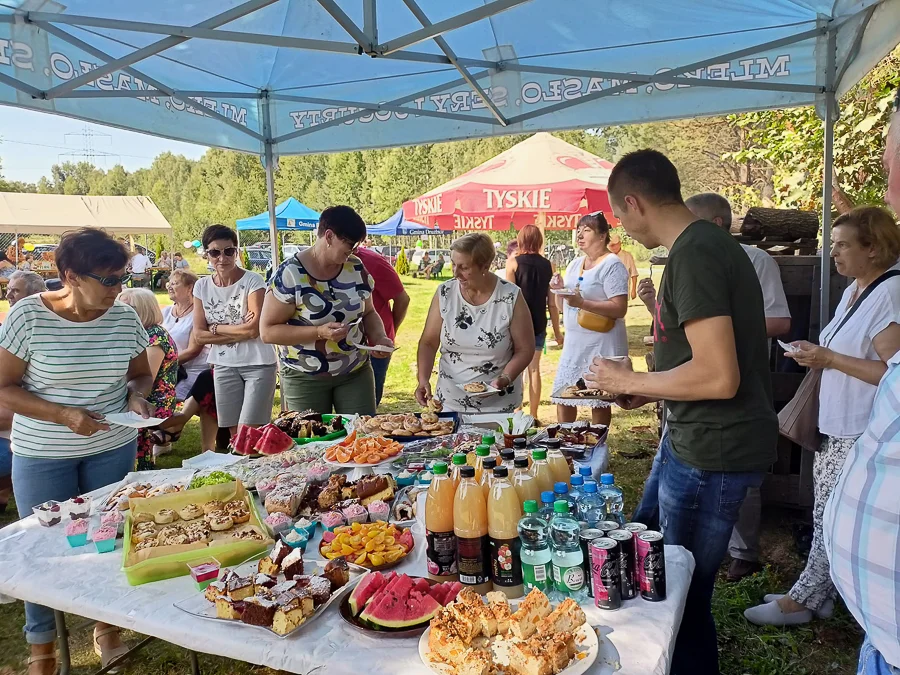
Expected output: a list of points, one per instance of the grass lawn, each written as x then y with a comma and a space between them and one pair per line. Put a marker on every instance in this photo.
822, 647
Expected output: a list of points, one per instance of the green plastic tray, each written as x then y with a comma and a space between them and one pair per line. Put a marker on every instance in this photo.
334, 435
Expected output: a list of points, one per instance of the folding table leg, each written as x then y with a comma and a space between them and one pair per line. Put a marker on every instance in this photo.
62, 638
195, 663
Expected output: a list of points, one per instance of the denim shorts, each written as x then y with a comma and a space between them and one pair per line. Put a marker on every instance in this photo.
539, 340
5, 458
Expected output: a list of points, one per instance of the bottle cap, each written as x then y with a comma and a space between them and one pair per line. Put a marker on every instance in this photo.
606, 478
467, 471
489, 462
501, 471
488, 439
508, 455
584, 471
589, 487
530, 506
539, 454
459, 459
560, 488
439, 469
560, 506
577, 479
553, 443
546, 497
521, 462
520, 443
483, 450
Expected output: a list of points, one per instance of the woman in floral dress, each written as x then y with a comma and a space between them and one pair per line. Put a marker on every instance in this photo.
484, 331
163, 356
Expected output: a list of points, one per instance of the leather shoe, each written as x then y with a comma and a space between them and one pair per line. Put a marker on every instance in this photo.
742, 568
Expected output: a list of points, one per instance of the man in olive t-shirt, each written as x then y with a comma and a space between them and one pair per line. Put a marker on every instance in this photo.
712, 372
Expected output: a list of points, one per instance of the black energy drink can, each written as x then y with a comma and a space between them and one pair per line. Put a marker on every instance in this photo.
585, 538
652, 565
628, 582
605, 572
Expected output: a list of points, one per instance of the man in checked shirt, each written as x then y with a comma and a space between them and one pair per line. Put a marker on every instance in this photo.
862, 517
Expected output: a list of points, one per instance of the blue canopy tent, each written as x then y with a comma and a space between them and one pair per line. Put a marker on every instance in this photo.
290, 216
398, 225
279, 77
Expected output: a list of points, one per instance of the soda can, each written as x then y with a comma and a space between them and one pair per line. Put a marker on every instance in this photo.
652, 563
608, 526
585, 538
626, 562
636, 529
605, 573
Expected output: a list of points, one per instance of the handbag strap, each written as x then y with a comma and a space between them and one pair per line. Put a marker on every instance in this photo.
859, 301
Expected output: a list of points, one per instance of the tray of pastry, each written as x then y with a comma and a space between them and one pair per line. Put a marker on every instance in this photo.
407, 427
280, 593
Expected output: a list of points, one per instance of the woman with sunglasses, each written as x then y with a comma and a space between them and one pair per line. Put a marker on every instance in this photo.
68, 358
319, 309
227, 308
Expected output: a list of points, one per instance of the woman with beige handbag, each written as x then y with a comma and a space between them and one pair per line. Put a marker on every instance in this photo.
850, 361
593, 297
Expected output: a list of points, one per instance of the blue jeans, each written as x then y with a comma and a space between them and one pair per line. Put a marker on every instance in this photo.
698, 510
647, 511
380, 368
871, 662
5, 458
37, 480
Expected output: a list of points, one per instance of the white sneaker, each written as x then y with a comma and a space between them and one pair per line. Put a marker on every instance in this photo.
771, 614
161, 450
826, 611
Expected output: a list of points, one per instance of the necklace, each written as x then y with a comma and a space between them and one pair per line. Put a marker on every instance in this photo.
178, 317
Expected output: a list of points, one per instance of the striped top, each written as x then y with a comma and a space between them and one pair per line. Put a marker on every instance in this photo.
76, 364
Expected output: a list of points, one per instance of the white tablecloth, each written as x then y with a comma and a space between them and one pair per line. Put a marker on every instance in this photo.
37, 564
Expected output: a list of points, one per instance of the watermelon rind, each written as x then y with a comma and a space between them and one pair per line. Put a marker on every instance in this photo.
365, 590
400, 605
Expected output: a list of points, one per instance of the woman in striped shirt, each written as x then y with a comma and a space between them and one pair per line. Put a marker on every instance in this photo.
68, 358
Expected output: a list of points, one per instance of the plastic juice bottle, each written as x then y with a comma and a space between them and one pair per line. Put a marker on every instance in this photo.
504, 512
459, 460
520, 447
481, 452
491, 441
470, 525
559, 467
507, 457
534, 533
541, 470
487, 475
546, 505
565, 553
440, 539
525, 484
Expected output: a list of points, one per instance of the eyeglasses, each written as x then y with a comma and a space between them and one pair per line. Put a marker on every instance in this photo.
111, 280
354, 246
215, 253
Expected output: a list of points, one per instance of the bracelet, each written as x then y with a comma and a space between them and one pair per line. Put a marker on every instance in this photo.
214, 329
506, 377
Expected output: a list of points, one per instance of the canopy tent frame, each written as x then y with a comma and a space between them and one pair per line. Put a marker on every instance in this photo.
364, 41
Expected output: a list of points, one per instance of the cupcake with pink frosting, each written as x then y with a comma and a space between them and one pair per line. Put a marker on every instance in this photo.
331, 520
115, 519
76, 532
378, 510
318, 473
105, 538
355, 513
279, 522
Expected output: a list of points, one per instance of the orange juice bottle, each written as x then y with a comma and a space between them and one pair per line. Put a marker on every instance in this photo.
481, 452
470, 525
440, 539
525, 484
520, 448
487, 475
507, 457
559, 467
540, 470
459, 460
504, 512
491, 441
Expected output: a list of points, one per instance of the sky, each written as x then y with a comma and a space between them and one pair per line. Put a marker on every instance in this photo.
31, 142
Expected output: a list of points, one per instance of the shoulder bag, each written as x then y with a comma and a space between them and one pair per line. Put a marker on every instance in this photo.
799, 419
591, 321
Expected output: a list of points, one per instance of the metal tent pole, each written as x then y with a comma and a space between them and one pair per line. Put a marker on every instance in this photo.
827, 164
270, 178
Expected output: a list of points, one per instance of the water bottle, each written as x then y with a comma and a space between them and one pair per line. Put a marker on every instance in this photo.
535, 554
611, 495
565, 553
584, 472
561, 491
546, 511
575, 491
591, 508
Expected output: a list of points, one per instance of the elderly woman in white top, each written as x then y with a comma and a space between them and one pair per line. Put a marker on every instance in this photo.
853, 356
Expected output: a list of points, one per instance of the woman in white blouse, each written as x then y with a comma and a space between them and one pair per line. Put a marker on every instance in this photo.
865, 245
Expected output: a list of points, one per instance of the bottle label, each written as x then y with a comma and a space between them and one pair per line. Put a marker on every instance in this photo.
568, 579
474, 556
506, 561
536, 576
440, 553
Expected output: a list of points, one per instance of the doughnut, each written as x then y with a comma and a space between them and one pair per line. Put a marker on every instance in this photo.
210, 507
164, 516
219, 521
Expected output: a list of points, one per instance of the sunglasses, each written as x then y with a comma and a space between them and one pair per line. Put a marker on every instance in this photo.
111, 281
215, 253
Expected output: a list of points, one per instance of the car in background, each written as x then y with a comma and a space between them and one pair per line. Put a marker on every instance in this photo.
389, 253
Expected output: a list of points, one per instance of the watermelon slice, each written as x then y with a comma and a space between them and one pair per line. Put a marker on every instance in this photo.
406, 539
273, 441
455, 588
364, 591
422, 585
439, 592
388, 607
420, 608
245, 439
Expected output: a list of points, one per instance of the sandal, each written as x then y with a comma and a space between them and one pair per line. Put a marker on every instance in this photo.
164, 437
107, 656
43, 657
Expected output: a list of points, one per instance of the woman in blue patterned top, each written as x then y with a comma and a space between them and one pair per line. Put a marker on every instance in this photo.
319, 311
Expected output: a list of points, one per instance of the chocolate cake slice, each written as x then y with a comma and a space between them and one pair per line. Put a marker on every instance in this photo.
258, 611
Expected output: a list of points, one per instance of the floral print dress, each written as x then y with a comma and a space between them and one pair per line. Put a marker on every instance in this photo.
162, 397
476, 345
